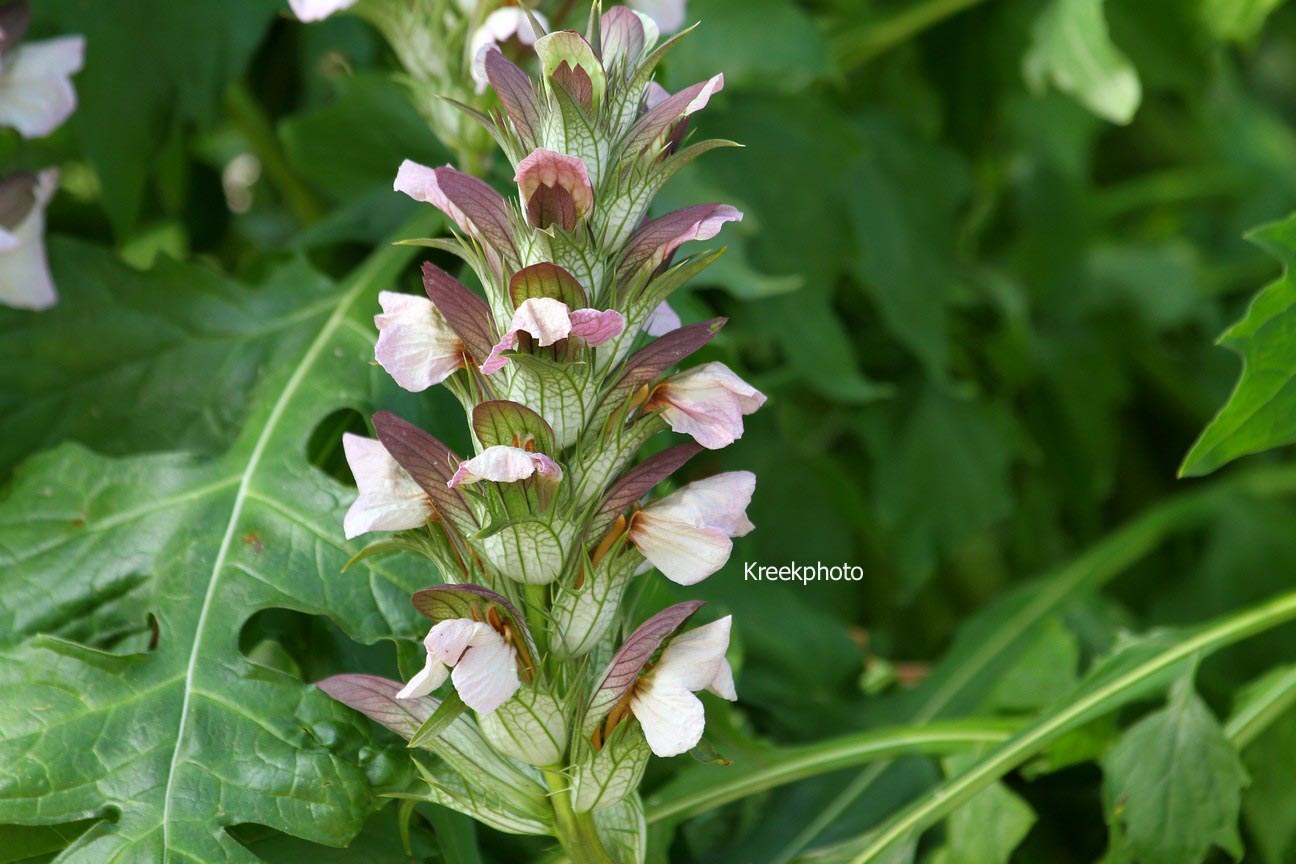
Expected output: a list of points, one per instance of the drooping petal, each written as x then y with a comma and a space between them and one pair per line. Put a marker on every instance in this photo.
36, 93
389, 499
499, 27
546, 320
597, 327
25, 280
661, 320
685, 552
555, 189
504, 464
670, 110
318, 10
486, 676
653, 243
669, 14
430, 677
697, 659
707, 402
672, 718
416, 344
686, 535
473, 204
720, 500
448, 640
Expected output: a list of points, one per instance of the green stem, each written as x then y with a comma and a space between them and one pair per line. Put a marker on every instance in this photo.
857, 45
576, 831
799, 763
951, 795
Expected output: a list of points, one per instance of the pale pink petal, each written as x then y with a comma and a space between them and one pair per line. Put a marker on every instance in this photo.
662, 320
430, 677
668, 14
500, 26
25, 280
697, 659
318, 10
36, 93
707, 402
422, 184
487, 677
546, 319
720, 501
504, 464
685, 552
448, 640
657, 94
654, 242
389, 499
496, 360
546, 169
672, 718
416, 345
597, 327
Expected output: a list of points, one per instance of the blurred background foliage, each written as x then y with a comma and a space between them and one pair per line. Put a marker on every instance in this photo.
988, 247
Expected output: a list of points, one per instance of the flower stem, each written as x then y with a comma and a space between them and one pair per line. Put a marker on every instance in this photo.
576, 831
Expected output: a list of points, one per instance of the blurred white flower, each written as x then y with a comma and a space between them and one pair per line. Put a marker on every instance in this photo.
669, 14
36, 93
318, 10
499, 27
25, 280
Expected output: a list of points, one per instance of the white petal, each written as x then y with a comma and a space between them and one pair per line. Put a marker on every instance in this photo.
500, 463
415, 343
672, 718
546, 319
36, 93
25, 280
389, 499
486, 677
683, 551
430, 677
448, 640
318, 10
500, 26
697, 659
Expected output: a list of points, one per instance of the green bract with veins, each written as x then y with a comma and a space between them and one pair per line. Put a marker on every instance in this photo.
547, 712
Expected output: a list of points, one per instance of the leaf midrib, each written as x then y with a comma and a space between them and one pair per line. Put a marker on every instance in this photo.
362, 279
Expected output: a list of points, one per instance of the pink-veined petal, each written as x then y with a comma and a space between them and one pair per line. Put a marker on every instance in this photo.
672, 718
546, 319
389, 499
416, 344
719, 501
597, 327
449, 639
707, 402
555, 188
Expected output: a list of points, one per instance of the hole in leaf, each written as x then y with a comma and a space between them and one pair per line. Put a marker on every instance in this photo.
324, 449
310, 647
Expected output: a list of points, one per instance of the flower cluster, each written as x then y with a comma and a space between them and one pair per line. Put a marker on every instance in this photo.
563, 366
36, 97
442, 46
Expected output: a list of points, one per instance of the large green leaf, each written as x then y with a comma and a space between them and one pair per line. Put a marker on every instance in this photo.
1174, 783
126, 583
1261, 412
156, 360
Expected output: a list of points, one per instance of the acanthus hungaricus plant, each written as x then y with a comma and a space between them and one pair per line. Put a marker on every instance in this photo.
543, 700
